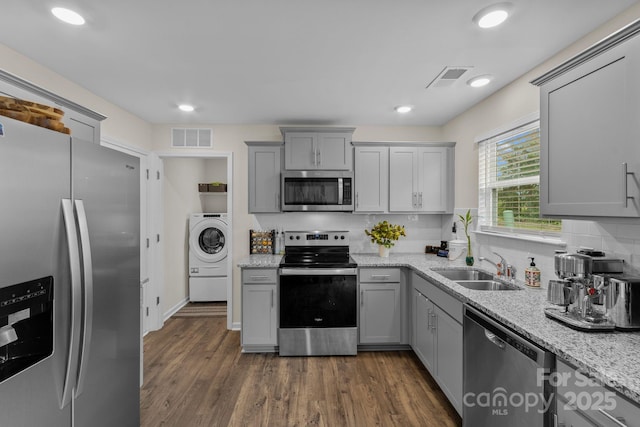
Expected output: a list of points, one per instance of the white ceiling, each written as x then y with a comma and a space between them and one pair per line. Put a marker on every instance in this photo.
314, 62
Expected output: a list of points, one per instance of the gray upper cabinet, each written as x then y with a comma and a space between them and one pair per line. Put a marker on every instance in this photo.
421, 178
371, 179
590, 132
264, 176
83, 123
318, 148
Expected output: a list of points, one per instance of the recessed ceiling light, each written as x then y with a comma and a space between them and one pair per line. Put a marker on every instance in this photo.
479, 81
67, 15
403, 109
492, 16
186, 107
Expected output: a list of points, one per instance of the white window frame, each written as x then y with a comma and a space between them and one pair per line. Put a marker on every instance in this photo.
485, 202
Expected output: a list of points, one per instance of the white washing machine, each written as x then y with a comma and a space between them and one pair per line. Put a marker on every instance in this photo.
209, 238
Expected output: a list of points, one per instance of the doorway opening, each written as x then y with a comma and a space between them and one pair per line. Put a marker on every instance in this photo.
177, 197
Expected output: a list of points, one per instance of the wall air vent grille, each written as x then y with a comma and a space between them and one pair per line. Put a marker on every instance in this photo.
448, 76
191, 138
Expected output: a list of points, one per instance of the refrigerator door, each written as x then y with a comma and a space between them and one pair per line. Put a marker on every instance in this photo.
34, 178
106, 193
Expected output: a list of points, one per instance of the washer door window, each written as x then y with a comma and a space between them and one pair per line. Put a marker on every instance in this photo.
211, 240
208, 241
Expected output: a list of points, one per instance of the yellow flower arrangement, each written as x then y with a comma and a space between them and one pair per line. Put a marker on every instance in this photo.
384, 233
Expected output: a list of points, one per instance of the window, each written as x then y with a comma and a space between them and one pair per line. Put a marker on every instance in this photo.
509, 182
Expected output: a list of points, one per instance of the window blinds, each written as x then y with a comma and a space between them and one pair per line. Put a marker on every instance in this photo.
509, 182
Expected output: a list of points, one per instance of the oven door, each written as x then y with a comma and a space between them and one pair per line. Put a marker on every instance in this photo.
317, 191
318, 312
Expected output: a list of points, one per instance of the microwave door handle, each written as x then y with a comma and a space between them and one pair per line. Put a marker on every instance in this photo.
340, 191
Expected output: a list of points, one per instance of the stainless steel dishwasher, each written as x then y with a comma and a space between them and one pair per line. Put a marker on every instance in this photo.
505, 376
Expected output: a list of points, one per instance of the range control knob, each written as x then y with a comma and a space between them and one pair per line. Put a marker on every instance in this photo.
342, 237
290, 237
297, 237
335, 237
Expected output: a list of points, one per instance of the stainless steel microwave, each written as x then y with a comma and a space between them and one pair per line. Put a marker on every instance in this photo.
317, 191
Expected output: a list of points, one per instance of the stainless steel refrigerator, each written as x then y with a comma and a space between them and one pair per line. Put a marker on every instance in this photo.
69, 281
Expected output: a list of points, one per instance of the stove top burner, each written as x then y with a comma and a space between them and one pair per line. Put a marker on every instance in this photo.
317, 249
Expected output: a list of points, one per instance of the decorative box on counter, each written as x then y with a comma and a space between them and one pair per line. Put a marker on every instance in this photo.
262, 241
214, 187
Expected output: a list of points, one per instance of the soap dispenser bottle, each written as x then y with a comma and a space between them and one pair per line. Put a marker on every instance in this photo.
532, 275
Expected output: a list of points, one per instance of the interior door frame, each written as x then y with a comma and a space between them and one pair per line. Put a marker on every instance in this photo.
200, 154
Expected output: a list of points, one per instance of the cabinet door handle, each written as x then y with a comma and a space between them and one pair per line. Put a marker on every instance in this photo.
272, 302
625, 174
619, 421
361, 298
433, 324
277, 201
259, 277
319, 157
380, 276
429, 318
357, 202
413, 199
420, 199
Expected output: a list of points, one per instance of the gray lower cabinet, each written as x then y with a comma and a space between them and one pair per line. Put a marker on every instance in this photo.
582, 401
259, 330
424, 339
382, 313
264, 176
437, 336
589, 110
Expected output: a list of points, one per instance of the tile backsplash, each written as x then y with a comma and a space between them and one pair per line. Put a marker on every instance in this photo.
421, 230
617, 238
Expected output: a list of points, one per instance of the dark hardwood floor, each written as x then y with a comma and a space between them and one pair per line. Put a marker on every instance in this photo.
195, 375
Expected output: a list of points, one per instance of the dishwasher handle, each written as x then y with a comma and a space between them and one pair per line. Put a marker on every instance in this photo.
503, 337
494, 339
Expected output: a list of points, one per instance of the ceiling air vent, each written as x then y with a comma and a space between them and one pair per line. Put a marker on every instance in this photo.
191, 138
448, 76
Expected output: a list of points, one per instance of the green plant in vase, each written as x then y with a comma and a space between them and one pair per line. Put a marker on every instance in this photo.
384, 235
466, 220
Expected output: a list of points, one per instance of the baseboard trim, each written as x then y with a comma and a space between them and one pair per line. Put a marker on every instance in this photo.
173, 310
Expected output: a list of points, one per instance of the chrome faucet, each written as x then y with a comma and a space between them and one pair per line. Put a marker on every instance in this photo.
501, 266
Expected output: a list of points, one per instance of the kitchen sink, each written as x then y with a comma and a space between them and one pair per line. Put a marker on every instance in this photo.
456, 275
487, 285
477, 280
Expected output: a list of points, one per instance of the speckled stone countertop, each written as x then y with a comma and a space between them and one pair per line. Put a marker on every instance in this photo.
612, 358
260, 261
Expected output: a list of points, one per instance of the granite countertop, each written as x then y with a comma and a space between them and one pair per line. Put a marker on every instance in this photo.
612, 357
260, 261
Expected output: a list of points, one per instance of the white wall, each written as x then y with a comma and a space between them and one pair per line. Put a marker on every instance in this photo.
620, 238
120, 125
181, 198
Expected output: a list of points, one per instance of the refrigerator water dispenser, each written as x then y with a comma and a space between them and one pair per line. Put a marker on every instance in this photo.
26, 325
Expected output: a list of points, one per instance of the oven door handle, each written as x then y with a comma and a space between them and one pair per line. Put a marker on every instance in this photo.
318, 271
